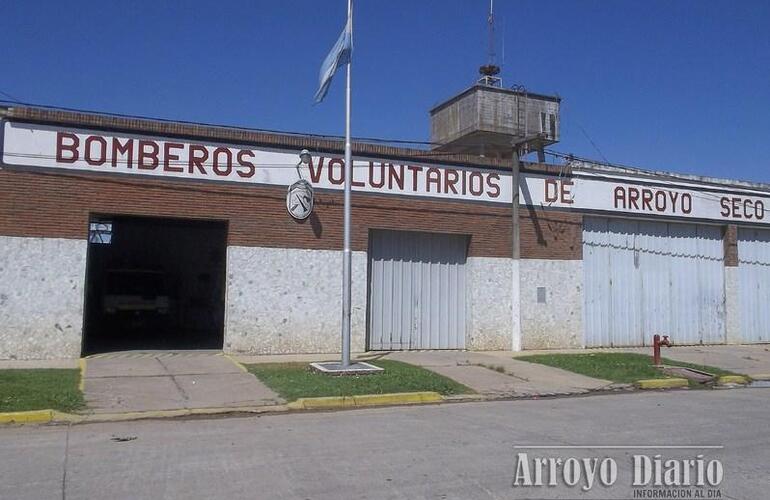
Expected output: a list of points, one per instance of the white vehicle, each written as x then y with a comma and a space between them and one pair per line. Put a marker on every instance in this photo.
135, 290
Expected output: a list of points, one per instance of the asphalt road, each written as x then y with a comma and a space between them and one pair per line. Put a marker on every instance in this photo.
462, 451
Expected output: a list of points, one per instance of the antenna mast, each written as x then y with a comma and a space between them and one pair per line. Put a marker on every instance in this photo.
490, 70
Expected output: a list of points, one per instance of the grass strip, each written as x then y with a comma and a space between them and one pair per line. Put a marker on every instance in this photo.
40, 389
296, 380
619, 367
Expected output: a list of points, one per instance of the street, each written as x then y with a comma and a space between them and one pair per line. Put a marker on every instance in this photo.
445, 451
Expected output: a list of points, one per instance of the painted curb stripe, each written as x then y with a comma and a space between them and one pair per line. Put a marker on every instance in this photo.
82, 383
27, 417
732, 379
662, 383
399, 398
236, 362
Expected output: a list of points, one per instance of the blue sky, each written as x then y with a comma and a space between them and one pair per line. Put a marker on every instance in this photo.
674, 85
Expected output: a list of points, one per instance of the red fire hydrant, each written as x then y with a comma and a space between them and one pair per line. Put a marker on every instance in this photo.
656, 343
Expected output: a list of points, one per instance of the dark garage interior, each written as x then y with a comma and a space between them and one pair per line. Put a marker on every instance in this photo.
154, 283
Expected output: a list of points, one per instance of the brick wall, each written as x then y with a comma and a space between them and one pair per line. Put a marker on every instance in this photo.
731, 245
58, 205
550, 234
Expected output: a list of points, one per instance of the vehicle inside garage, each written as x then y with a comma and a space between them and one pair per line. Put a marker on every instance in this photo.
154, 283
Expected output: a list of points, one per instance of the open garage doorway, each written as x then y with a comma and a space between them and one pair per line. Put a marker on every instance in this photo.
154, 283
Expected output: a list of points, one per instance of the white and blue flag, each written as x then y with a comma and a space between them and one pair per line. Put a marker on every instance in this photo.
338, 56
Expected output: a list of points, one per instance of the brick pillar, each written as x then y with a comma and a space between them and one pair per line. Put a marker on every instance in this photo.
732, 305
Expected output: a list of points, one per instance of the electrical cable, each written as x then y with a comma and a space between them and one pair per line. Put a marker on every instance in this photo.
568, 157
9, 96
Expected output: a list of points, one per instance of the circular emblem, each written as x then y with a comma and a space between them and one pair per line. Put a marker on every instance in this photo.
299, 199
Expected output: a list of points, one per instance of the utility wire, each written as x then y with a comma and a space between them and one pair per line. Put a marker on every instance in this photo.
208, 167
9, 96
422, 153
217, 125
591, 141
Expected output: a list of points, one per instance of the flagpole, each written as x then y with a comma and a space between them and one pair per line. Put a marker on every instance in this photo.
346, 254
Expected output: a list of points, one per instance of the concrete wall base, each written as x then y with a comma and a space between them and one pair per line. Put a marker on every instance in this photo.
282, 300
556, 320
490, 303
41, 297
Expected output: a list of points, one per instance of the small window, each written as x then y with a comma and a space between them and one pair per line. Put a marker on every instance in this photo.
543, 126
100, 233
553, 125
541, 295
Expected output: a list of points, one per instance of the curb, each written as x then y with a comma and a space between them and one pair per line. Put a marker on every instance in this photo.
322, 403
58, 417
325, 403
82, 382
27, 417
661, 383
163, 414
397, 398
760, 376
235, 362
732, 379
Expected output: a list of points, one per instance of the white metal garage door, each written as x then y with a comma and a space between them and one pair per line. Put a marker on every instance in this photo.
754, 283
643, 278
416, 290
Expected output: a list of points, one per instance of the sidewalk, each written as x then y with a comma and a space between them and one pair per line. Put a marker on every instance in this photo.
152, 381
497, 374
751, 360
477, 370
186, 381
747, 359
34, 364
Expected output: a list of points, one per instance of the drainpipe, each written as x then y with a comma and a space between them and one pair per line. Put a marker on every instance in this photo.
515, 254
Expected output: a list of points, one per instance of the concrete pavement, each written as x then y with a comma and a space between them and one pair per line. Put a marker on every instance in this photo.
497, 374
748, 359
454, 451
489, 373
751, 360
154, 381
22, 364
148, 381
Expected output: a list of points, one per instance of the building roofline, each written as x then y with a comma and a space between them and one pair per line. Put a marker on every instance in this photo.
316, 143
586, 166
501, 90
237, 135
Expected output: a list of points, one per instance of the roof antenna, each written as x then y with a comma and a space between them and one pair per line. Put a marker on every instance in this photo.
490, 70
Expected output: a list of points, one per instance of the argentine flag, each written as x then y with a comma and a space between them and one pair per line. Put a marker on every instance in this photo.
338, 56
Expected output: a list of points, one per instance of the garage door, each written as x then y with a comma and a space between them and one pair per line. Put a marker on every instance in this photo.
643, 278
154, 283
417, 297
754, 282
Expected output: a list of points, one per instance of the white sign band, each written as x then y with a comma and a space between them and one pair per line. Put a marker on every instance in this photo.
39, 146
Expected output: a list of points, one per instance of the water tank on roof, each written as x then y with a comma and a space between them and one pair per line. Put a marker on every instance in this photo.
489, 121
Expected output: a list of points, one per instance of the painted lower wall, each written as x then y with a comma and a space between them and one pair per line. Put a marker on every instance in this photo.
288, 301
490, 302
558, 322
41, 297
283, 300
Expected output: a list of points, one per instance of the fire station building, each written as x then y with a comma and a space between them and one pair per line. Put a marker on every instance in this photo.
121, 233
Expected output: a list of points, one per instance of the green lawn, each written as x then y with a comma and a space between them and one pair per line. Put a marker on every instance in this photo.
40, 389
296, 380
618, 367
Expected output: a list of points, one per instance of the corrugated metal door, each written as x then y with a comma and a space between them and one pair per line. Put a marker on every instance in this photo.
644, 277
754, 283
416, 290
